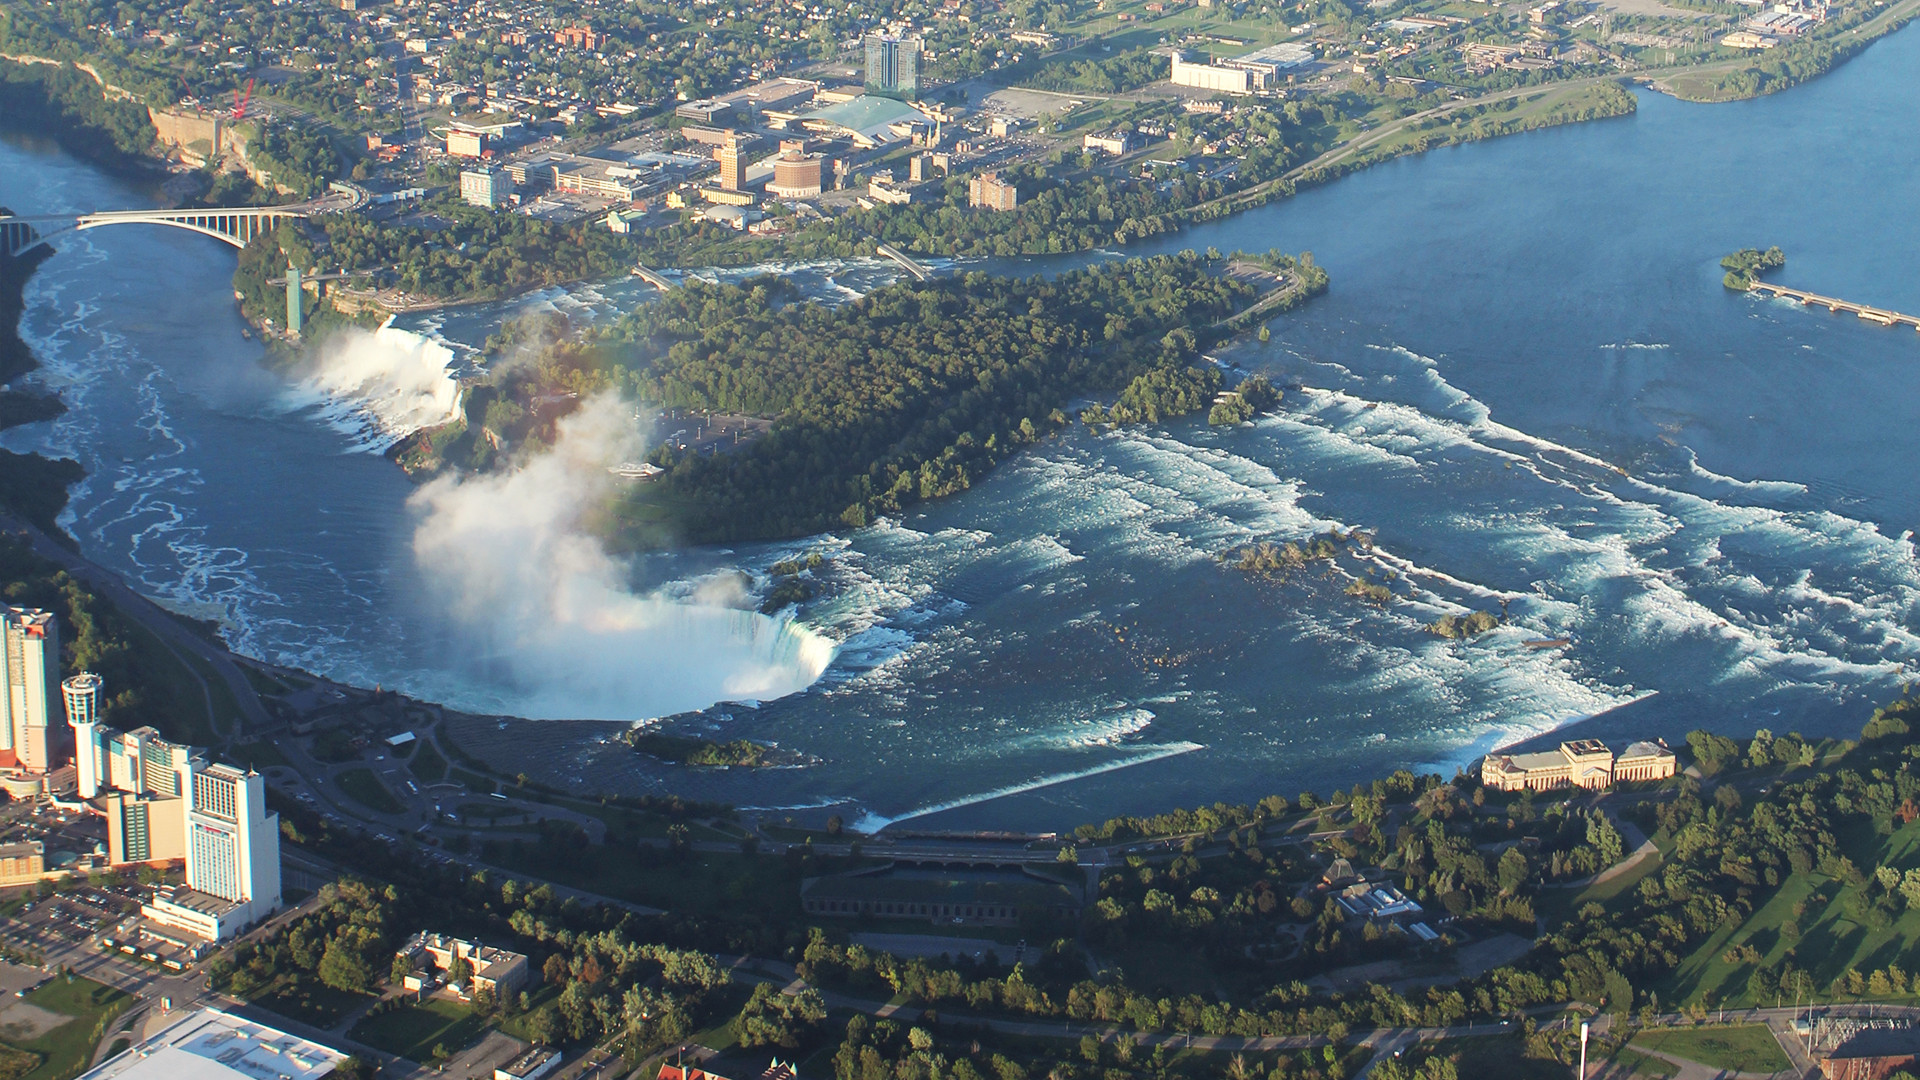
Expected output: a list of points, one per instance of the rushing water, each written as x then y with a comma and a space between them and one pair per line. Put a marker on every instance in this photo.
1527, 380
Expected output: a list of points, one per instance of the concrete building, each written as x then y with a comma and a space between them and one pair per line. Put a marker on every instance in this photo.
208, 1044
938, 900
1116, 143
1256, 71
705, 111
732, 156
1585, 763
796, 175
988, 190
29, 670
485, 187
163, 801
82, 695
532, 1065
465, 143
893, 63
22, 863
494, 970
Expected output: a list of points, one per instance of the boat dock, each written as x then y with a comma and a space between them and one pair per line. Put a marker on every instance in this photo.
1882, 316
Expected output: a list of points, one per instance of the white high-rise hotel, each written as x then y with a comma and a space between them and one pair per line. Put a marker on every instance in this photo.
162, 801
29, 669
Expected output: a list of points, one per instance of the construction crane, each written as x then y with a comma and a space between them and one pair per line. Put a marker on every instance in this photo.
240, 101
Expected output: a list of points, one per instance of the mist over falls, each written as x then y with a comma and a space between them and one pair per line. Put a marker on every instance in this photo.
547, 612
381, 386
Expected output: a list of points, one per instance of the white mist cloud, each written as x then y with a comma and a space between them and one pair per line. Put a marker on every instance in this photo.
396, 379
549, 610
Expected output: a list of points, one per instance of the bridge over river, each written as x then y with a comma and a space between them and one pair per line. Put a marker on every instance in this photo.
235, 225
1883, 316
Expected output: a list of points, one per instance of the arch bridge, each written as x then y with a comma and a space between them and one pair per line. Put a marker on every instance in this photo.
235, 226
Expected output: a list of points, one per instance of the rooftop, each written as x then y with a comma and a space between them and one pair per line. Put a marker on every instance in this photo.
868, 116
213, 1045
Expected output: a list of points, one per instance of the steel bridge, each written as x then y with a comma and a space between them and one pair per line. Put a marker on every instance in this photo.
235, 226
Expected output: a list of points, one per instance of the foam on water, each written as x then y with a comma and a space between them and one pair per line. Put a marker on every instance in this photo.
377, 388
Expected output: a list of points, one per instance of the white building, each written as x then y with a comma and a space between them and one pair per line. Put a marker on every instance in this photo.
1257, 70
212, 1045
485, 187
29, 670
164, 801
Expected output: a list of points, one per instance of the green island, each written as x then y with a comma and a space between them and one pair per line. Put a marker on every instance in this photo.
688, 751
912, 392
1745, 266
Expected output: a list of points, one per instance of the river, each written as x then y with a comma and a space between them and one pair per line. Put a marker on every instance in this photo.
1527, 380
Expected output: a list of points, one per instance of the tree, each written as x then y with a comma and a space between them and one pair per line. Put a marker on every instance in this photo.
460, 970
402, 967
1513, 871
343, 968
555, 970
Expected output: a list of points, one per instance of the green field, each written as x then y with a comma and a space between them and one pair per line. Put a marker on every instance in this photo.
365, 788
1503, 1056
1831, 941
428, 765
412, 1031
1632, 1063
259, 755
310, 1001
67, 1049
1744, 1048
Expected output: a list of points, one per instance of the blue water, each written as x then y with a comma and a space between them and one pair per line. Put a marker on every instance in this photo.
1527, 380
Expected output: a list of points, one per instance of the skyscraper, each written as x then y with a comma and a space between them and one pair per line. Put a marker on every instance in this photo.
893, 63
163, 802
733, 164
29, 669
82, 693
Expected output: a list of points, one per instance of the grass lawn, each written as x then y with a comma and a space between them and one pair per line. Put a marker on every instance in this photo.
412, 1031
1639, 1065
1152, 965
310, 1001
473, 781
1504, 1056
742, 885
1743, 1047
366, 788
1831, 942
259, 755
428, 765
66, 1050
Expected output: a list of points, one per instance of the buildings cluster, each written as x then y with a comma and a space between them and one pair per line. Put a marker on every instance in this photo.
1583, 763
464, 967
163, 802
1256, 72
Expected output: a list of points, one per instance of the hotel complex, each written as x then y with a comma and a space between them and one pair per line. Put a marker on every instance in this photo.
1585, 763
163, 802
30, 668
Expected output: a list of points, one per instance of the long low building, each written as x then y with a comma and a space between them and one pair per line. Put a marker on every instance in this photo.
212, 1045
936, 899
1584, 763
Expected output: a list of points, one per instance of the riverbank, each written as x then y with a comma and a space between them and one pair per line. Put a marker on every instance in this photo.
32, 486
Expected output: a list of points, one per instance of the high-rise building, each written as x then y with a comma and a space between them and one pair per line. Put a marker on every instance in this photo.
486, 187
732, 156
82, 693
988, 190
29, 669
165, 802
893, 63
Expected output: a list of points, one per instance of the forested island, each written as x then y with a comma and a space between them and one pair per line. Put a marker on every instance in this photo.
1745, 266
912, 392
